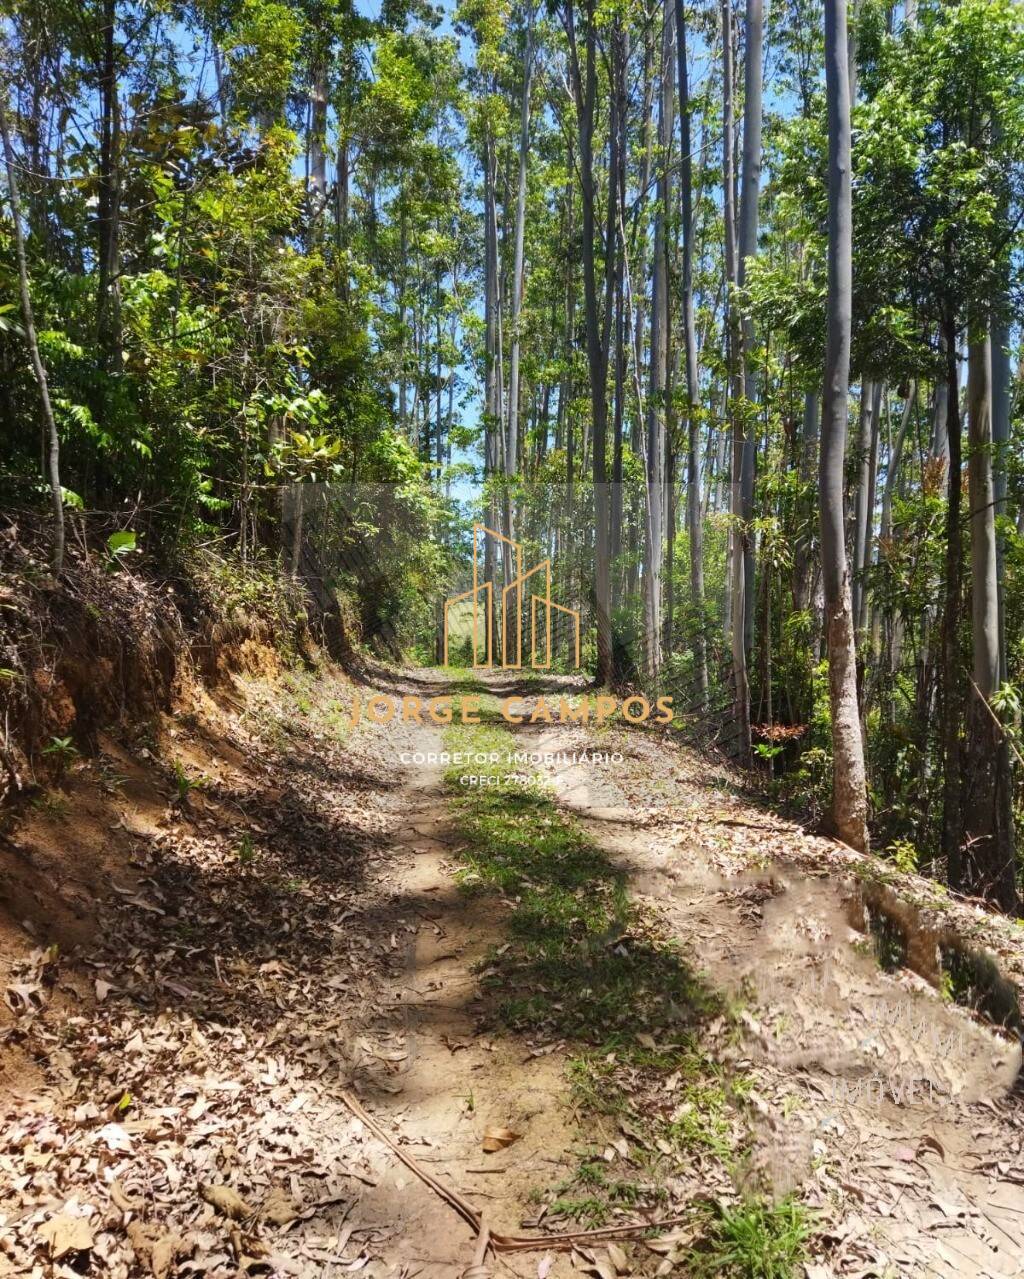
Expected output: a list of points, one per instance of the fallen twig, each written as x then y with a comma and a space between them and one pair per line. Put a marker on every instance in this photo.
503, 1243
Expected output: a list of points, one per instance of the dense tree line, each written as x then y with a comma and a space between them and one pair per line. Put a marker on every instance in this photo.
723, 307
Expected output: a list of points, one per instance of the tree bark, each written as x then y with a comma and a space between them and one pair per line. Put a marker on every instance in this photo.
318, 142
988, 862
867, 439
512, 447
750, 197
952, 700
658, 378
849, 793
584, 79
808, 469
693, 513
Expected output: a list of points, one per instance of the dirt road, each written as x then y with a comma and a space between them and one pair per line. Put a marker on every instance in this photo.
313, 911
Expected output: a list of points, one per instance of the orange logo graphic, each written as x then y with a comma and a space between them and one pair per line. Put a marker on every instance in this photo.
487, 607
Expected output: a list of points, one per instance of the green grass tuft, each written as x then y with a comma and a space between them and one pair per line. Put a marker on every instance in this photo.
757, 1239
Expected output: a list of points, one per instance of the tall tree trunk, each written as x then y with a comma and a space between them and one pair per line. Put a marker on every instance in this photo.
867, 441
658, 381
318, 142
808, 468
744, 385
951, 697
584, 78
694, 527
750, 194
512, 447
989, 862
108, 304
733, 392
849, 793
638, 308
403, 258
1000, 443
892, 466
620, 61
28, 319
491, 390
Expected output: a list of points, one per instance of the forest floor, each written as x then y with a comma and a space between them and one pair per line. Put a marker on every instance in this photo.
616, 991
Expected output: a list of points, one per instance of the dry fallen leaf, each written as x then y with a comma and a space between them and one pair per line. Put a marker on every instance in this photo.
24, 996
121, 1199
928, 1142
618, 1259
65, 1234
603, 1267
498, 1139
226, 1201
669, 1243
154, 1247
279, 1207
114, 1137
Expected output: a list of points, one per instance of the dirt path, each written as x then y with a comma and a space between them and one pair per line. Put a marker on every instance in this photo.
455, 1084
883, 1105
288, 922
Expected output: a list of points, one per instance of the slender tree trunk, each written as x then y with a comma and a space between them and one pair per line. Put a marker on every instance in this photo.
1000, 443
849, 795
512, 448
108, 306
491, 391
638, 308
750, 193
808, 469
658, 381
403, 257
620, 60
28, 319
989, 862
733, 615
693, 516
743, 382
867, 443
895, 459
584, 78
318, 143
952, 699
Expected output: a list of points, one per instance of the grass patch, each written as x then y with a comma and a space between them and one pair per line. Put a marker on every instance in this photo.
757, 1239
585, 962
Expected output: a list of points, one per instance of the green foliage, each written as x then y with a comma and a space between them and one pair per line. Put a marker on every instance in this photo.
757, 1239
63, 752
903, 855
119, 547
184, 785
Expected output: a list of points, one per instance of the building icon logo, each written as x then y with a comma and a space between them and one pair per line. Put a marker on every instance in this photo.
511, 652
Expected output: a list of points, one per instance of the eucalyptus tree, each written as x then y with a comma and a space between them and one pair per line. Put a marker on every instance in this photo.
693, 513
849, 801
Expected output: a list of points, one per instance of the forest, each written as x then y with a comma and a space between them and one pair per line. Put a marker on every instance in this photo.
712, 307
556, 250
